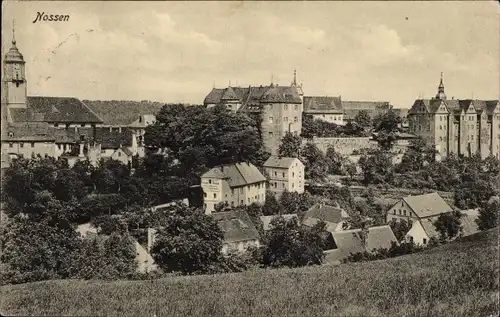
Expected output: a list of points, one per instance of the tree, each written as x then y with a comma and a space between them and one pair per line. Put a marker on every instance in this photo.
386, 126
419, 153
314, 161
400, 228
292, 246
295, 203
488, 216
271, 205
335, 161
188, 242
448, 225
36, 251
377, 168
290, 145
363, 119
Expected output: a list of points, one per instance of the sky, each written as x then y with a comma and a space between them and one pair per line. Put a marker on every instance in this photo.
176, 51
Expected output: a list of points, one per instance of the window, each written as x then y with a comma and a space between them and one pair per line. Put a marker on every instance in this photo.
472, 137
204, 194
232, 204
283, 174
21, 144
275, 173
83, 125
293, 185
295, 119
440, 127
119, 153
241, 202
276, 184
296, 107
270, 133
283, 185
285, 119
286, 107
271, 119
404, 212
11, 144
215, 195
293, 174
33, 145
56, 125
241, 190
11, 134
248, 200
424, 240
210, 181
232, 191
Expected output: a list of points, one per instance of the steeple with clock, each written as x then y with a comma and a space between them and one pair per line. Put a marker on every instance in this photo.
14, 81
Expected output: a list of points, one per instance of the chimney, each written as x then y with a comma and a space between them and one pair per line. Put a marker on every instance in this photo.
110, 129
120, 129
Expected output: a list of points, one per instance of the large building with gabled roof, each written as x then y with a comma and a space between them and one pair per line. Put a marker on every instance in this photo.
466, 127
239, 184
421, 211
279, 107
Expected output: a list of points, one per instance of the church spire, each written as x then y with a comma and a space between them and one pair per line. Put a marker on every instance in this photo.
14, 32
441, 95
294, 82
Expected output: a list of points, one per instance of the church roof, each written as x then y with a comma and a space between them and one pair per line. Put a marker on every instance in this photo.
54, 109
123, 112
13, 55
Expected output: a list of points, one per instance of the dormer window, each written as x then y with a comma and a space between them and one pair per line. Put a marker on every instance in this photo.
11, 134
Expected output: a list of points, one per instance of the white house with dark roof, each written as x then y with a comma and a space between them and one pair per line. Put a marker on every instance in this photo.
422, 211
285, 173
239, 184
239, 231
325, 108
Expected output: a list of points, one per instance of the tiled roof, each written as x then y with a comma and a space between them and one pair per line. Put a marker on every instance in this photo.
229, 94
28, 131
349, 241
283, 162
317, 104
254, 95
311, 222
266, 220
427, 205
126, 150
491, 106
236, 226
373, 108
401, 112
239, 174
326, 213
122, 112
428, 225
113, 139
55, 109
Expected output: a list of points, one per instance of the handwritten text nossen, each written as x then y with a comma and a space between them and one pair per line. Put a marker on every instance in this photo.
41, 16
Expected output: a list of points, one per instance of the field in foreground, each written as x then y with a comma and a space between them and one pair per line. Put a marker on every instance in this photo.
459, 279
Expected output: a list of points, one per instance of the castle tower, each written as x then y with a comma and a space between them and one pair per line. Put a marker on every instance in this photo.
441, 95
14, 78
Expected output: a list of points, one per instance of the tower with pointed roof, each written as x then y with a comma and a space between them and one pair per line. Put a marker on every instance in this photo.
441, 95
14, 77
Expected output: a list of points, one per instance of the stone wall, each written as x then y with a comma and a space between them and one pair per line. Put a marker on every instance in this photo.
344, 146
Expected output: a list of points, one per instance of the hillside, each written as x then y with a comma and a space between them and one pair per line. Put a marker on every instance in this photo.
459, 279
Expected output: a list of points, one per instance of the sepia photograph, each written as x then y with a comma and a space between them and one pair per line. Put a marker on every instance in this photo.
250, 158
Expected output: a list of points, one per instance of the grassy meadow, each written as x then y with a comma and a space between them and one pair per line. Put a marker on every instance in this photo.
458, 279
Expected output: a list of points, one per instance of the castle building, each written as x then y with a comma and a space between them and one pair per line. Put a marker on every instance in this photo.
465, 127
279, 107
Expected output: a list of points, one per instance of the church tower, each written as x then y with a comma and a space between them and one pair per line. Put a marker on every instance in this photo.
14, 78
441, 95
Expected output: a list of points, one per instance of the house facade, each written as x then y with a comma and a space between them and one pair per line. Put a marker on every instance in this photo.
421, 211
279, 108
465, 127
327, 109
238, 184
239, 231
285, 173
